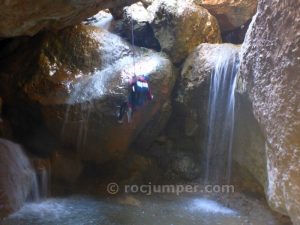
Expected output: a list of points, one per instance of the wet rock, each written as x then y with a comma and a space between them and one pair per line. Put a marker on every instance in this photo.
270, 67
16, 177
78, 80
193, 91
153, 129
138, 169
66, 168
20, 18
186, 167
181, 25
230, 14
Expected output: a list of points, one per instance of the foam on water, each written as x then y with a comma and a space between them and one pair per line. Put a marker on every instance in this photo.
209, 206
158, 210
51, 208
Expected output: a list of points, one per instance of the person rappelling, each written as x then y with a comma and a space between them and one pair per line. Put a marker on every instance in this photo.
139, 94
139, 90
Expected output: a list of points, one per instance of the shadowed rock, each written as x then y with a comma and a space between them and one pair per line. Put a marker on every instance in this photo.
270, 69
18, 18
230, 14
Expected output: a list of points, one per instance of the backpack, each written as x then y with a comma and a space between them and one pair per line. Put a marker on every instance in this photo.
140, 91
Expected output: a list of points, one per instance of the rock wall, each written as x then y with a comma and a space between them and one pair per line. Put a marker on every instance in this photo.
181, 146
270, 67
230, 14
249, 141
180, 26
18, 18
16, 177
77, 79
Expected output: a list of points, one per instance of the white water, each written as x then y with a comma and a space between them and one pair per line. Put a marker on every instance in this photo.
40, 184
35, 192
43, 182
221, 116
158, 210
209, 206
20, 181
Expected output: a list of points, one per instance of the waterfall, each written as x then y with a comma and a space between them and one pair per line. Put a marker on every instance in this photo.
76, 130
35, 193
40, 180
221, 116
43, 181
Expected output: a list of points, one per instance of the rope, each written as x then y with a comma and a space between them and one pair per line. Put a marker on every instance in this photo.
132, 40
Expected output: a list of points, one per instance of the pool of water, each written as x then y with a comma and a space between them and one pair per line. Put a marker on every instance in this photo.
140, 210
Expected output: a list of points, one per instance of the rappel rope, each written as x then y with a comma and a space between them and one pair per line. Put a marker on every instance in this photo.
132, 40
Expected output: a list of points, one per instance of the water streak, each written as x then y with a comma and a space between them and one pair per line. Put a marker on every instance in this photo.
221, 116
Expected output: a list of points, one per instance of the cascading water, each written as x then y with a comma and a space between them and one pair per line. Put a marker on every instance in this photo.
221, 116
80, 125
35, 192
40, 180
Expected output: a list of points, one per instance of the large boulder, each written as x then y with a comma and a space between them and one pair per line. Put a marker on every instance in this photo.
181, 25
230, 14
18, 18
16, 177
270, 68
78, 78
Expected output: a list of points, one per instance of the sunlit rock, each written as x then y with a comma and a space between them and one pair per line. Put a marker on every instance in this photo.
79, 78
16, 177
230, 14
27, 18
181, 25
102, 19
270, 67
